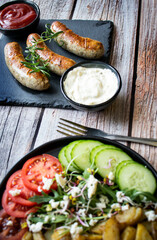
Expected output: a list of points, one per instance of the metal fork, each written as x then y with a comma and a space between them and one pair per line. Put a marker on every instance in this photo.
70, 128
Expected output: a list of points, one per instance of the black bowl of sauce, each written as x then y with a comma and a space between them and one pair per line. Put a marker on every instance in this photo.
88, 88
19, 18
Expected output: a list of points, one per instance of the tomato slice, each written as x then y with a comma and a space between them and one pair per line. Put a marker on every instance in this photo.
10, 227
38, 167
15, 209
15, 183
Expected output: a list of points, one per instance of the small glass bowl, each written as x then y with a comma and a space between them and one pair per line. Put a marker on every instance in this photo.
28, 28
96, 107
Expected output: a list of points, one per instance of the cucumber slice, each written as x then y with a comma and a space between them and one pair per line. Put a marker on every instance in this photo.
97, 149
81, 152
104, 163
136, 176
119, 166
68, 150
63, 160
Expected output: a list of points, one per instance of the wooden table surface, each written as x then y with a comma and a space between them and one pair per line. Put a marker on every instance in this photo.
134, 113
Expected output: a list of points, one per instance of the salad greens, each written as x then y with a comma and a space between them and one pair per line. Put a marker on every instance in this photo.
84, 199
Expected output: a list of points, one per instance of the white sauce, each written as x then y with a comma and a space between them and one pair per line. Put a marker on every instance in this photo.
90, 86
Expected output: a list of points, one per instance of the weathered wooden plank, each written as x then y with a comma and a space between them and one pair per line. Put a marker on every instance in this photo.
17, 136
114, 119
145, 105
91, 9
24, 134
124, 14
55, 9
7, 137
4, 111
49, 124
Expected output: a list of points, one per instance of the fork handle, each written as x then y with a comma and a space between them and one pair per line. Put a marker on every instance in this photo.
148, 141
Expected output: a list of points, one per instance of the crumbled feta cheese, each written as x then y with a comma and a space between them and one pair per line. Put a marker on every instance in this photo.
82, 212
125, 207
66, 198
64, 204
9, 223
120, 196
75, 230
36, 227
101, 205
151, 216
74, 191
111, 176
53, 203
47, 183
92, 222
92, 185
15, 192
60, 180
46, 219
115, 206
39, 189
104, 199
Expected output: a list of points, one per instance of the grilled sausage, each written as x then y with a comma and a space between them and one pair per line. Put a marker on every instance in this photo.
13, 57
81, 46
56, 63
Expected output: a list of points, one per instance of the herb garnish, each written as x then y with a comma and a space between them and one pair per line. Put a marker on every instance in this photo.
33, 60
137, 196
71, 204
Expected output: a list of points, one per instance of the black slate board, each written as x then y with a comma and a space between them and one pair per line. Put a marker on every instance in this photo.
13, 93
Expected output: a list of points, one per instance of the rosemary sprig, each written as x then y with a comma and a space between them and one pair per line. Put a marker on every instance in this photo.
33, 60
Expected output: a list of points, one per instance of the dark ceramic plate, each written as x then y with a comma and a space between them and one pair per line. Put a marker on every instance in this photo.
53, 148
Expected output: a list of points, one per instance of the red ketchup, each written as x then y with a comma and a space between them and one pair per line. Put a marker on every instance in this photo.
17, 16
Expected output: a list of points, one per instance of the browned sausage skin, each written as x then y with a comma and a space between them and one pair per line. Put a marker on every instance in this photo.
81, 46
56, 63
14, 57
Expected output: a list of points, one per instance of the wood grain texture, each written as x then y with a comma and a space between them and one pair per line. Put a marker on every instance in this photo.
55, 9
18, 133
23, 128
4, 112
7, 136
145, 105
124, 14
114, 119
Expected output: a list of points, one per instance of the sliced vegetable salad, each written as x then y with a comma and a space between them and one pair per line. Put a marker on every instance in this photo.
90, 183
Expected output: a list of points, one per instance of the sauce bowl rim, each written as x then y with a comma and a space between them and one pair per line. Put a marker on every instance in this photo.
82, 63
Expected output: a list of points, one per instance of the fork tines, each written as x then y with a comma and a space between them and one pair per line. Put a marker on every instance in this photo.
70, 128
